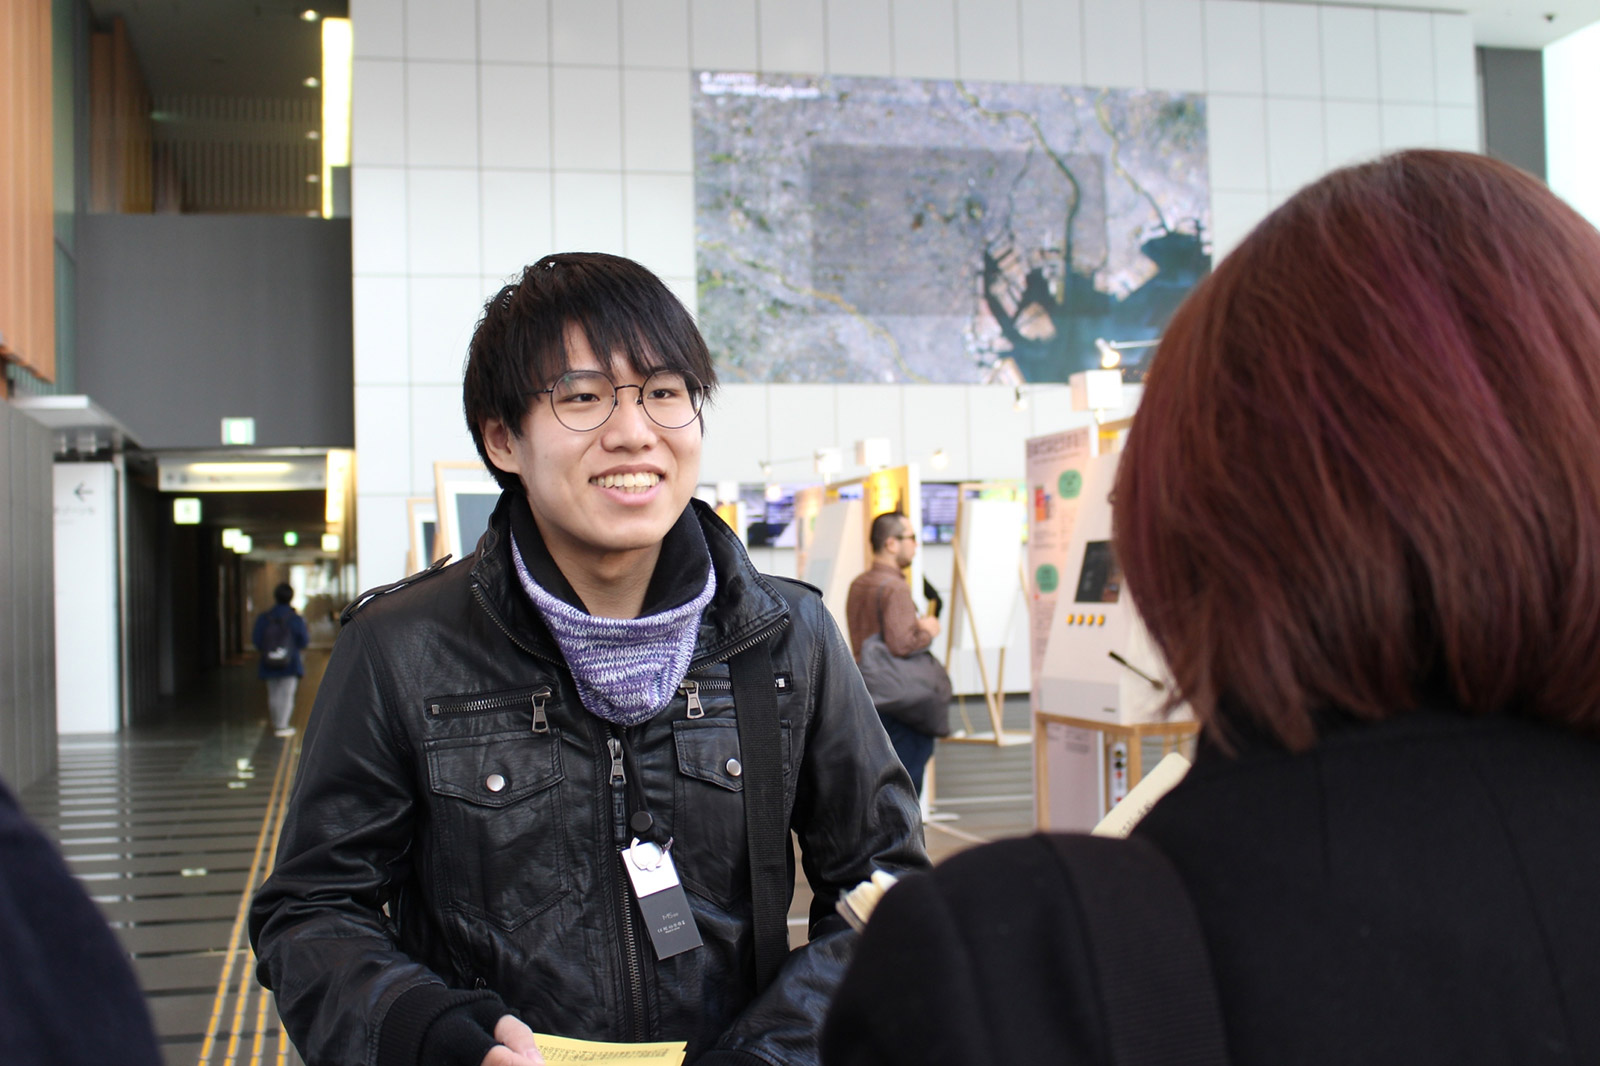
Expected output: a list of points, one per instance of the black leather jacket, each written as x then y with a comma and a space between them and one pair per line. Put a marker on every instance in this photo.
401, 864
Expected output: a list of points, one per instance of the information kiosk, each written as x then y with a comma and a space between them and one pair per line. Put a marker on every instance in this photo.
1103, 687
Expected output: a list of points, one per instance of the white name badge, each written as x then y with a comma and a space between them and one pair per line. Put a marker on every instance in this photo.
662, 901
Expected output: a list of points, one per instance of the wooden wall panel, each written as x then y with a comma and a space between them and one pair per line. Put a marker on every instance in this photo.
237, 155
27, 233
120, 135
102, 150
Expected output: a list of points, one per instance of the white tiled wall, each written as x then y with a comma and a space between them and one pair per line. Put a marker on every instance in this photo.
489, 132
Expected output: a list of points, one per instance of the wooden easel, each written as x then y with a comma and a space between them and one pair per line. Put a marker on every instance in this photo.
1179, 736
993, 690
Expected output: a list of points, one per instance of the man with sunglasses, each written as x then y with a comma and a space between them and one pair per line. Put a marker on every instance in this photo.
879, 604
531, 794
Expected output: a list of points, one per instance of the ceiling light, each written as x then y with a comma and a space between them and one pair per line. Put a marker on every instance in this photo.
243, 544
312, 179
311, 83
1110, 356
240, 468
338, 483
312, 135
338, 65
330, 542
309, 15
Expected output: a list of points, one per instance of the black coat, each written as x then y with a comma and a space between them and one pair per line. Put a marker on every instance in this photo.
1423, 891
67, 995
517, 887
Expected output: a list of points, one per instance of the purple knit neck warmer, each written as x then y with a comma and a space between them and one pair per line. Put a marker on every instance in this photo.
626, 669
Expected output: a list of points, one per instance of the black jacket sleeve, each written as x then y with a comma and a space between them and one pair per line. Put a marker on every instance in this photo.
317, 924
67, 995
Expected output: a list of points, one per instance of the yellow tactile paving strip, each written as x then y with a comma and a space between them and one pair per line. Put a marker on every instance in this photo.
239, 950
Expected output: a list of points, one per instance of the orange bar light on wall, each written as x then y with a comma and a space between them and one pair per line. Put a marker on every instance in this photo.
338, 49
338, 482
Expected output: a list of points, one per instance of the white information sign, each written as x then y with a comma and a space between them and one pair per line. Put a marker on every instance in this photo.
88, 677
1072, 796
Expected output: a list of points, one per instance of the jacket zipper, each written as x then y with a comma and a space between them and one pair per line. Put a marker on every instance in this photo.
538, 697
690, 690
744, 645
632, 960
477, 594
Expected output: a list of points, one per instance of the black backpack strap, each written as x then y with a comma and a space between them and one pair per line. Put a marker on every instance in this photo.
1145, 944
755, 703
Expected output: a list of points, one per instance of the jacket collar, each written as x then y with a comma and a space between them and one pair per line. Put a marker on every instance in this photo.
745, 605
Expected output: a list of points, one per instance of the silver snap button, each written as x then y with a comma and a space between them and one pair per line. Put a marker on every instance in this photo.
734, 768
494, 783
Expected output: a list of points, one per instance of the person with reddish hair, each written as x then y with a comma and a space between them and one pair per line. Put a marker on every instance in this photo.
1359, 511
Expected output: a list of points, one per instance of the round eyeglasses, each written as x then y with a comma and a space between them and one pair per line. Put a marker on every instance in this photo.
583, 399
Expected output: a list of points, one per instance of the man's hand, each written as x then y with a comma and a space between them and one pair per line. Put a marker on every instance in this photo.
930, 624
517, 1046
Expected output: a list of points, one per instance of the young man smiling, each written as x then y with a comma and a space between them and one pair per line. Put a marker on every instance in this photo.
522, 806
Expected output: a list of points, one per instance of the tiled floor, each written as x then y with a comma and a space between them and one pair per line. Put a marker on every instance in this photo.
167, 826
171, 826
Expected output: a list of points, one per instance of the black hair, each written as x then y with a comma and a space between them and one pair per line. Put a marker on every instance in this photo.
519, 346
283, 593
889, 524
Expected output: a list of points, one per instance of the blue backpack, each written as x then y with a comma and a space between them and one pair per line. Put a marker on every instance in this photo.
277, 642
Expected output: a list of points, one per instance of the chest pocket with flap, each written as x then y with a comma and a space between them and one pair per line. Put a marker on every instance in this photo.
708, 807
501, 829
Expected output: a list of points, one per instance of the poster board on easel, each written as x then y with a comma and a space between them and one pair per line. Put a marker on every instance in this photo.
422, 521
986, 583
734, 515
807, 505
831, 567
834, 555
465, 494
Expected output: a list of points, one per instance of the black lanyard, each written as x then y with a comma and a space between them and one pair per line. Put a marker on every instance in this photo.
641, 823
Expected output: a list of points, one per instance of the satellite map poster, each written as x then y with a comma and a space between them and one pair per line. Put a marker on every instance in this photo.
897, 230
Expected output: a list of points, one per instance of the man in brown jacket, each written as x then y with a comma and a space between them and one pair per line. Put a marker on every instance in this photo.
880, 602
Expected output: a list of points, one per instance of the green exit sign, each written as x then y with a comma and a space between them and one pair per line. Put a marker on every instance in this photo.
238, 431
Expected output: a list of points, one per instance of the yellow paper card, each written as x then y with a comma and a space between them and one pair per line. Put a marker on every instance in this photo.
564, 1049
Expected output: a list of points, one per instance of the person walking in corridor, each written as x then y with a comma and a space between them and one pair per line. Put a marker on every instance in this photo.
281, 634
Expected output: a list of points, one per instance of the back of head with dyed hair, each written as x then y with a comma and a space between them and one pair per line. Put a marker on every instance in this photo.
1365, 474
